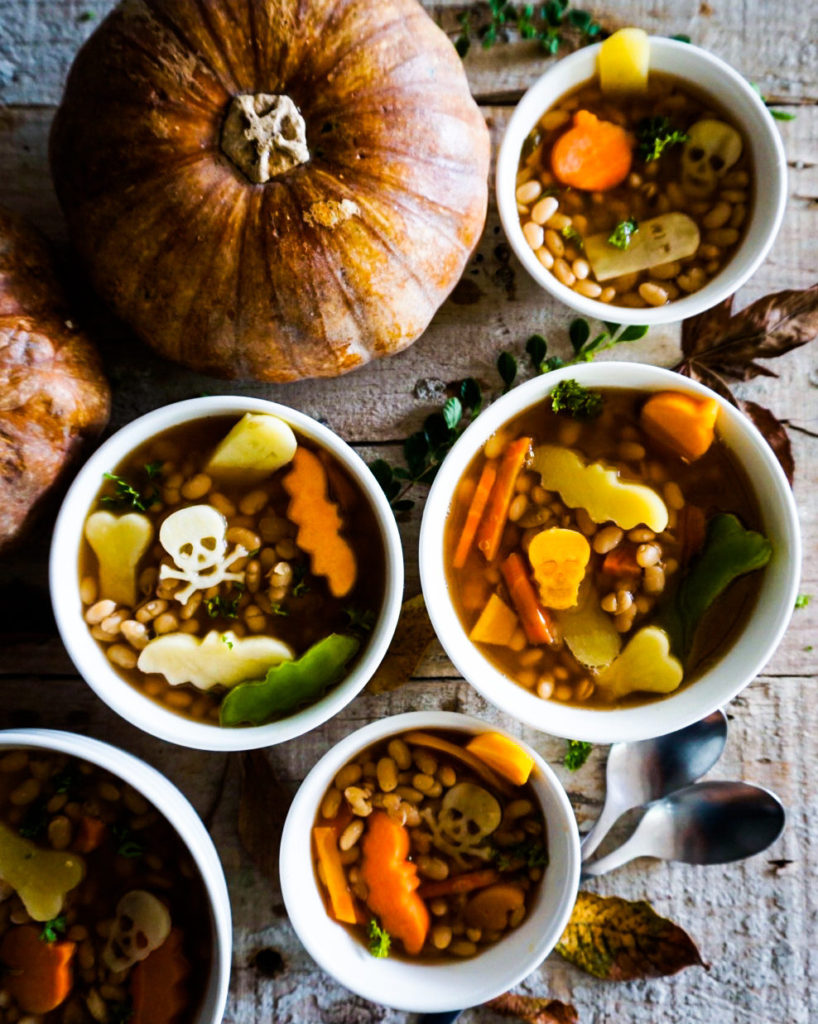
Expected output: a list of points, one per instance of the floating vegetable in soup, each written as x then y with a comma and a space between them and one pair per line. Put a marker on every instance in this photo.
623, 538
103, 915
431, 844
231, 569
634, 188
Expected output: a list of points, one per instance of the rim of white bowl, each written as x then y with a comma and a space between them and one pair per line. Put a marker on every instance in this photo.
733, 669
90, 659
177, 809
427, 988
747, 109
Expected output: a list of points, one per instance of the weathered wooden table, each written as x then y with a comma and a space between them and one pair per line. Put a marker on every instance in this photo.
756, 923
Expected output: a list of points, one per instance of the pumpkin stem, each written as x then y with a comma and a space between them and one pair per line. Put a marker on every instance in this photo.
264, 135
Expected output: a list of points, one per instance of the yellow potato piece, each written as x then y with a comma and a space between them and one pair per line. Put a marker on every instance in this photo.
589, 633
558, 558
257, 446
118, 542
623, 61
646, 665
496, 625
219, 659
41, 878
598, 490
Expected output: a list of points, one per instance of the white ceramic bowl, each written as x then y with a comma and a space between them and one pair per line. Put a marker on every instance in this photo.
423, 987
707, 73
736, 665
179, 812
90, 659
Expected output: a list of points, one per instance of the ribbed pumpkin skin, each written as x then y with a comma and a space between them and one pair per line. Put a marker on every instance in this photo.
236, 279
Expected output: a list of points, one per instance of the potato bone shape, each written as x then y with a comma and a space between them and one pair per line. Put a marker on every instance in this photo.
219, 659
41, 878
195, 537
710, 151
118, 542
468, 814
142, 924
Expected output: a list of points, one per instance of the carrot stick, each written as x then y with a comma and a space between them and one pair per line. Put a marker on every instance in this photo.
533, 616
326, 846
490, 532
459, 884
622, 561
475, 514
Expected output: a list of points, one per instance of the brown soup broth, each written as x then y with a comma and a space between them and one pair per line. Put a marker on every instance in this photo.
652, 188
715, 483
519, 845
139, 849
300, 613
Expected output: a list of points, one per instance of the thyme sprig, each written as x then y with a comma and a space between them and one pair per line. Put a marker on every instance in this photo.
546, 23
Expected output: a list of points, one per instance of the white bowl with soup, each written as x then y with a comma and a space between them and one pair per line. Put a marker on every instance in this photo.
128, 887
619, 590
226, 573
707, 209
486, 899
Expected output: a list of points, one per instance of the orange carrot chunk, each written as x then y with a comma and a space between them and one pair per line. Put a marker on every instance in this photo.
39, 976
475, 514
622, 561
458, 884
326, 846
593, 155
158, 984
490, 532
392, 881
533, 616
91, 834
503, 755
681, 423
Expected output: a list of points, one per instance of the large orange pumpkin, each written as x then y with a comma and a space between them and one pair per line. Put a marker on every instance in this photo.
271, 188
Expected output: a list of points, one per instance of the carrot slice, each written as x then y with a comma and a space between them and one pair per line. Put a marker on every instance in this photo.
91, 834
490, 532
534, 617
39, 975
392, 881
622, 561
593, 155
459, 884
503, 755
681, 423
475, 514
158, 984
427, 739
326, 846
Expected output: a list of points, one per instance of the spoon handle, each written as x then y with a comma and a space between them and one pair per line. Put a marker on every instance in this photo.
591, 840
615, 859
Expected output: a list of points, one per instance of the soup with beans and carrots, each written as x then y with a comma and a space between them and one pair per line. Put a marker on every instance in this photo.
604, 546
103, 914
637, 199
231, 569
431, 844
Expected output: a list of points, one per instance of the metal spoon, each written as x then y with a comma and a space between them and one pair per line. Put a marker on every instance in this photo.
707, 823
639, 773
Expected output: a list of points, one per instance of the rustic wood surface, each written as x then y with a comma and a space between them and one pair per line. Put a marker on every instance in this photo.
756, 923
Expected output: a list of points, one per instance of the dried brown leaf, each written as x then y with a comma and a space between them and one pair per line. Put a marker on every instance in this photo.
263, 805
774, 434
534, 1010
412, 637
621, 940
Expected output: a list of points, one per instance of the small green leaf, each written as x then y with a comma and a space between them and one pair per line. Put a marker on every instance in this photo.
382, 471
379, 940
507, 368
537, 348
579, 19
633, 333
578, 332
680, 37
781, 115
452, 412
802, 600
51, 929
437, 430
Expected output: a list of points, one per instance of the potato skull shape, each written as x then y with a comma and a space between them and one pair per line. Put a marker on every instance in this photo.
142, 925
195, 538
710, 151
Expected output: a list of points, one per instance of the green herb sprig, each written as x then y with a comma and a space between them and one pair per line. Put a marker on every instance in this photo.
127, 496
779, 115
224, 607
802, 600
127, 845
656, 134
576, 754
531, 852
380, 941
545, 23
622, 235
51, 929
585, 346
581, 403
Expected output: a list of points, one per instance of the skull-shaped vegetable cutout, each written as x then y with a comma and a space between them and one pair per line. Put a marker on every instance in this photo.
196, 539
467, 815
711, 150
142, 924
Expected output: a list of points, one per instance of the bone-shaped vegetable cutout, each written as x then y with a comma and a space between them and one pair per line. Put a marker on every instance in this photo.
219, 659
196, 539
468, 814
646, 664
41, 878
141, 925
118, 542
598, 490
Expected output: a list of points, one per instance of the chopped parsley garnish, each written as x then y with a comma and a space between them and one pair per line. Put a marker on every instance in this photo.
577, 754
802, 601
570, 233
360, 618
51, 929
67, 780
380, 941
224, 607
622, 235
127, 496
579, 402
656, 134
127, 846
279, 609
226, 642
531, 852
299, 586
